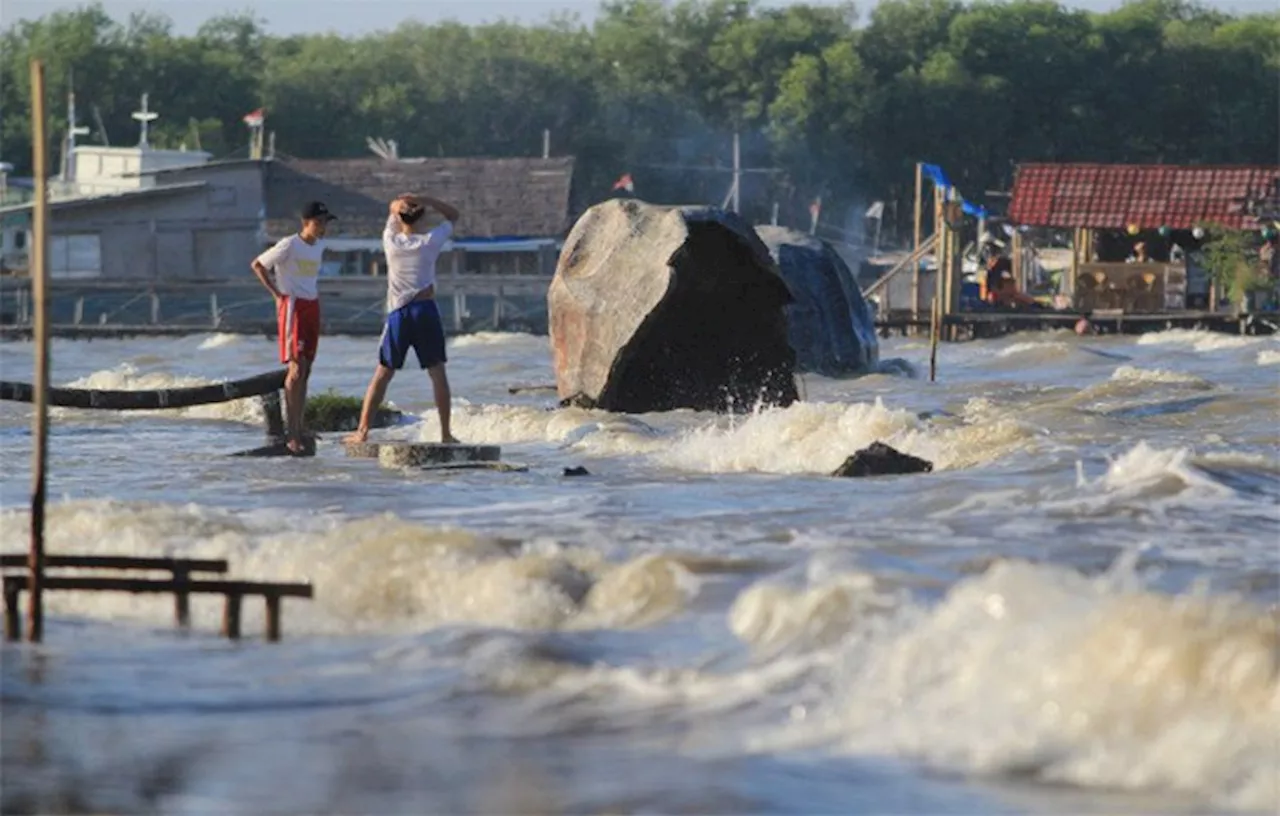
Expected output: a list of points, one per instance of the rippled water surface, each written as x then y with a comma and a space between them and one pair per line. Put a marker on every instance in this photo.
1075, 613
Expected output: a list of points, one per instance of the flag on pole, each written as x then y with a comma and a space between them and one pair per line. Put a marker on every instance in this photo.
256, 118
625, 183
815, 210
876, 210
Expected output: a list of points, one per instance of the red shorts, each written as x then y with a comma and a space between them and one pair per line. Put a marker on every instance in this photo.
298, 322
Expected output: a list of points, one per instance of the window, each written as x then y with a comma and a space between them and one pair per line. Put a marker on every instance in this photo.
75, 256
20, 240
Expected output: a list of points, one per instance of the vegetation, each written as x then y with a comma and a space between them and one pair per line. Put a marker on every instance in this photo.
333, 412
1231, 259
843, 108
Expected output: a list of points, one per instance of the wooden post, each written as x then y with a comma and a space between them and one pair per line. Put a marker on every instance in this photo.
1015, 257
155, 308
1074, 272
79, 316
231, 616
934, 326
940, 245
214, 317
181, 600
273, 416
12, 613
273, 617
39, 285
915, 245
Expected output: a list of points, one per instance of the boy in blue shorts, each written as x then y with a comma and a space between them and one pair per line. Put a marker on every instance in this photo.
413, 321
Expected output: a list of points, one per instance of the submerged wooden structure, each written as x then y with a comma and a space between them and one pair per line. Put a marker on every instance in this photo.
399, 454
180, 584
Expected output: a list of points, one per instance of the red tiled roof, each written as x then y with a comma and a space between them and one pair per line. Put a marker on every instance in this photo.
1113, 196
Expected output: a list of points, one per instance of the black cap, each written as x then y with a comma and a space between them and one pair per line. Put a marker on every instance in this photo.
317, 209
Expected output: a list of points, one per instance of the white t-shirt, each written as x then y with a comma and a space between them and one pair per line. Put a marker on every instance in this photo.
411, 260
297, 265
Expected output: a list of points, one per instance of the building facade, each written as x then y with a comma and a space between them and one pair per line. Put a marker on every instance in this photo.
176, 218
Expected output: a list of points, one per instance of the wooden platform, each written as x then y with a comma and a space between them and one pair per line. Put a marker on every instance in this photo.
422, 454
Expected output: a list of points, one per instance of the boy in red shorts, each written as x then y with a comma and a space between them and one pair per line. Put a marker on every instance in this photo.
296, 263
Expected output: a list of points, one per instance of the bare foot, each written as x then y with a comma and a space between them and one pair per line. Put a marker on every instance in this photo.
294, 446
359, 435
449, 439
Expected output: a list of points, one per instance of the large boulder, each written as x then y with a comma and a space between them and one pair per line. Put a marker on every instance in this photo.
830, 325
655, 308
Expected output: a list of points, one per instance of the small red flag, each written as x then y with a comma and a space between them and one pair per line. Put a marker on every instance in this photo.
256, 118
625, 183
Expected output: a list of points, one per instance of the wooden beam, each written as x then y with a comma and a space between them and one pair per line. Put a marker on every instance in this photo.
122, 562
929, 244
150, 586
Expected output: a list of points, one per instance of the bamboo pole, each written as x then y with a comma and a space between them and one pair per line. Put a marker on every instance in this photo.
919, 217
39, 287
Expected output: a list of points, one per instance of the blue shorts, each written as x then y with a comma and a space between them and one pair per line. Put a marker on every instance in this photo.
415, 325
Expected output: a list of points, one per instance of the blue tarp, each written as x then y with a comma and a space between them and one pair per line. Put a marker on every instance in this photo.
935, 174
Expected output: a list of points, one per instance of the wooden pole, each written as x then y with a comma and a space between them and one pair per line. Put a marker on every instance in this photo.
940, 246
934, 331
39, 287
1074, 272
919, 214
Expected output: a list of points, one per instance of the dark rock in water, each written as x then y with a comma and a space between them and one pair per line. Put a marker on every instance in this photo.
656, 308
576, 471
830, 325
881, 460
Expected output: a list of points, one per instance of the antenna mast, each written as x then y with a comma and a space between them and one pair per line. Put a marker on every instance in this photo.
73, 130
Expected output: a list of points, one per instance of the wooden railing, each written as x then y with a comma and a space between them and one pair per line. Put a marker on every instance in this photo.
915, 257
180, 585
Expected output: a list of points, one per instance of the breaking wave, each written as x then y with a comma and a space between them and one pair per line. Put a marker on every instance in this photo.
1199, 339
817, 437
804, 438
219, 340
373, 574
494, 339
1135, 375
1038, 672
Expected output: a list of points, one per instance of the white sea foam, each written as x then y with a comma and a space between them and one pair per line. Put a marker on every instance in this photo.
1037, 671
1199, 339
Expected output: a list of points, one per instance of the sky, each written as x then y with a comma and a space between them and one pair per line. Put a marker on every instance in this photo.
364, 16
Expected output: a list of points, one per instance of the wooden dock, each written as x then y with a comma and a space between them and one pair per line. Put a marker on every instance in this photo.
984, 325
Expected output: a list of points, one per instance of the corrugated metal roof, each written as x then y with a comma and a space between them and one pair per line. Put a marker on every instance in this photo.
1113, 196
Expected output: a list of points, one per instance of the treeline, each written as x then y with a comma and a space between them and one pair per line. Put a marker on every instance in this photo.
838, 108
